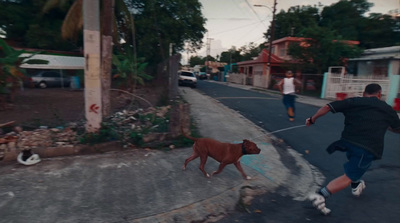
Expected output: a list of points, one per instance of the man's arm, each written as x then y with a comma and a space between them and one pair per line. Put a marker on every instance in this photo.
321, 112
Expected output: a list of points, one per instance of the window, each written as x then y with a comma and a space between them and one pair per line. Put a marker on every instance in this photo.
187, 74
282, 52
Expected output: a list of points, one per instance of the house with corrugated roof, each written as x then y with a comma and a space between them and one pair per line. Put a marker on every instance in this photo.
378, 65
267, 69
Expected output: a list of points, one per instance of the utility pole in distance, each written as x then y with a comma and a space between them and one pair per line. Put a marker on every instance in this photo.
271, 37
208, 50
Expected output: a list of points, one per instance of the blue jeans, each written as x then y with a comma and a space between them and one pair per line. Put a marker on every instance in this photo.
288, 101
359, 161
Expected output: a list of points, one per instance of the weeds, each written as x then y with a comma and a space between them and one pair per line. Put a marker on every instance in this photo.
130, 127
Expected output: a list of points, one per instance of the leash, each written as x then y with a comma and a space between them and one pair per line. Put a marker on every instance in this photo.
280, 130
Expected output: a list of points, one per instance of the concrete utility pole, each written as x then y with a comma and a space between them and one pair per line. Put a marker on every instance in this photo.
106, 54
208, 51
91, 34
271, 37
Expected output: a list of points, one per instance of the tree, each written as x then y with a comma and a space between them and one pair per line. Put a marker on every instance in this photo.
196, 60
233, 55
250, 51
346, 17
11, 75
24, 22
321, 50
292, 22
128, 73
159, 23
380, 31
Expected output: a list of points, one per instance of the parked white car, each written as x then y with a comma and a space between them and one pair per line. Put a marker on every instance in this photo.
187, 78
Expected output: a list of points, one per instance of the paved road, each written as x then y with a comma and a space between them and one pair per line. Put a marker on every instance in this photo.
380, 202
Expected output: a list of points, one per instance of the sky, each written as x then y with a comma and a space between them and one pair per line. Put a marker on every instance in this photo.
239, 22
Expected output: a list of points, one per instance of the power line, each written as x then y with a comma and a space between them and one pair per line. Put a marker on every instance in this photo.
246, 33
240, 27
252, 9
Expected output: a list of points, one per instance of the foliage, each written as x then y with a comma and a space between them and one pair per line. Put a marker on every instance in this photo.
321, 50
11, 76
112, 130
196, 60
380, 31
246, 52
346, 19
292, 22
106, 133
351, 21
328, 26
250, 51
232, 55
159, 23
24, 22
127, 72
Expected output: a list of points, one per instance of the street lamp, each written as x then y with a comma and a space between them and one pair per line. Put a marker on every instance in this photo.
271, 38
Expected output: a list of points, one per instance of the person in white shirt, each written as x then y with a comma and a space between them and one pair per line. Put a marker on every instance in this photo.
288, 87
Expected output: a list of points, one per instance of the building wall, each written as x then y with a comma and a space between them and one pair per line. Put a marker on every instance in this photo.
373, 68
237, 78
394, 72
260, 81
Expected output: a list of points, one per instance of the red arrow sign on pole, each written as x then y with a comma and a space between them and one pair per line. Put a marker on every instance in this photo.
94, 108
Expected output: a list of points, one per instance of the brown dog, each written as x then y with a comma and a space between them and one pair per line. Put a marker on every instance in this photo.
224, 153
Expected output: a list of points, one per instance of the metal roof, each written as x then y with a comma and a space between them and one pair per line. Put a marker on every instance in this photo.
55, 62
392, 52
263, 58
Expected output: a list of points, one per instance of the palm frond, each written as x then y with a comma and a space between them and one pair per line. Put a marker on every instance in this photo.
73, 22
49, 5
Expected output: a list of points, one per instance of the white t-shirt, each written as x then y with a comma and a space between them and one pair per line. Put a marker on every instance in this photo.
288, 85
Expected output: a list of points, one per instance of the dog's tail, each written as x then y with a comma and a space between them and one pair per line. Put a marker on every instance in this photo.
188, 136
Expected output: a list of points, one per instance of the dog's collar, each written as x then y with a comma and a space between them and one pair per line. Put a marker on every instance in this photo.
243, 149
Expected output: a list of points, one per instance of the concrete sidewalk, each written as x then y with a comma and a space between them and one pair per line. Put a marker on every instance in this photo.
149, 185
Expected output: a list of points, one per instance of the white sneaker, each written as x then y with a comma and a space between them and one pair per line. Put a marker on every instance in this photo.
359, 189
318, 201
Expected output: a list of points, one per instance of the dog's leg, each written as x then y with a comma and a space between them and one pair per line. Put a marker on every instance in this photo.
203, 160
239, 167
192, 157
221, 167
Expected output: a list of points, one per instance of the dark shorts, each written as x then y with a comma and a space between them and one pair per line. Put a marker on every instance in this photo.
359, 160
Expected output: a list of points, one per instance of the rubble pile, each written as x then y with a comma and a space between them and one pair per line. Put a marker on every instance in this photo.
123, 124
140, 121
19, 140
54, 137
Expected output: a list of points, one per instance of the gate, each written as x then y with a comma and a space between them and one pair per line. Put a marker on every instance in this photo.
352, 86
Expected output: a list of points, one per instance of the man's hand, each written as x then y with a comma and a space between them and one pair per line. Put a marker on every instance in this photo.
321, 112
309, 122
